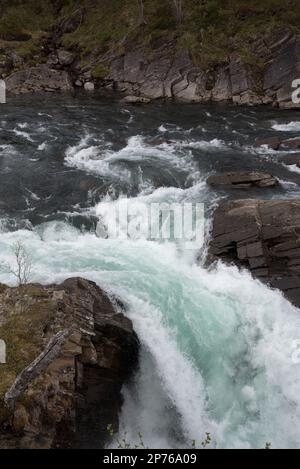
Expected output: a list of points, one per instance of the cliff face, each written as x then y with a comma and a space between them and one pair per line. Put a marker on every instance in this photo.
207, 51
68, 353
176, 76
262, 236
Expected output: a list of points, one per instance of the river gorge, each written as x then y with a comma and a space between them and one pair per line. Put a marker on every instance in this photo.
216, 345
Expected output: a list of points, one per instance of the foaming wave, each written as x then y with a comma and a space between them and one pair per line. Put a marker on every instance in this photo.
205, 145
205, 331
101, 160
293, 126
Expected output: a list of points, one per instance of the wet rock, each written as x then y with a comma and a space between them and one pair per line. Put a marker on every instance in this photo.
38, 78
271, 142
159, 141
79, 83
75, 363
282, 67
136, 100
175, 75
89, 86
263, 236
292, 159
291, 144
242, 180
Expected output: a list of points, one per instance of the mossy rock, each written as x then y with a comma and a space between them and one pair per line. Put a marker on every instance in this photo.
23, 330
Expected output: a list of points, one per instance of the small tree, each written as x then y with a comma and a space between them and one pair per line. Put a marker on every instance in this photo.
22, 270
22, 267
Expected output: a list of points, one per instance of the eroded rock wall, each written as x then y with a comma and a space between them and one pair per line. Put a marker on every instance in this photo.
68, 395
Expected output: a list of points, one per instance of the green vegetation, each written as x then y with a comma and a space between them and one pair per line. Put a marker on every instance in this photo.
210, 29
23, 331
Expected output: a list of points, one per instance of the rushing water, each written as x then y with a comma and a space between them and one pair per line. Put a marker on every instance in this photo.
217, 345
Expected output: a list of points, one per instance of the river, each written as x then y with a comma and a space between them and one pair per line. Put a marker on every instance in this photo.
216, 345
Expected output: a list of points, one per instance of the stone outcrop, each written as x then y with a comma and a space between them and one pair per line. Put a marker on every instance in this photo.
69, 351
38, 78
263, 236
176, 76
242, 180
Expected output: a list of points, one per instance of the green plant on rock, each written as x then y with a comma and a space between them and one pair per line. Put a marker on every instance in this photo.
100, 71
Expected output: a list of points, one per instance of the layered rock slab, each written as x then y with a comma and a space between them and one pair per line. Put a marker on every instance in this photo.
263, 236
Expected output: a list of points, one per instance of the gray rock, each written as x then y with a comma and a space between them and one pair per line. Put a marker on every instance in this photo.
290, 159
78, 83
271, 142
171, 73
38, 78
65, 57
89, 86
282, 68
242, 180
136, 100
86, 349
263, 236
291, 144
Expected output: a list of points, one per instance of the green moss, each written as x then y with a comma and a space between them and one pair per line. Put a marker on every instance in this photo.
100, 72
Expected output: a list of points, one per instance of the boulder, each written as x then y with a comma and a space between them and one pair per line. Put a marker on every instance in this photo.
61, 386
242, 180
271, 142
170, 72
65, 57
135, 100
263, 236
291, 159
79, 83
38, 78
291, 144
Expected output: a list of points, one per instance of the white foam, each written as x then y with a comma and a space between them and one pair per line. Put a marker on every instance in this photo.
23, 134
103, 161
42, 146
220, 341
292, 167
205, 145
293, 126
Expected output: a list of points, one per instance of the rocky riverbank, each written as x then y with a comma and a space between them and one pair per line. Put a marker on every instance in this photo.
172, 74
69, 351
156, 57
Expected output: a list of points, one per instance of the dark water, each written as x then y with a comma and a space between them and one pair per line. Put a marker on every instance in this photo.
36, 184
